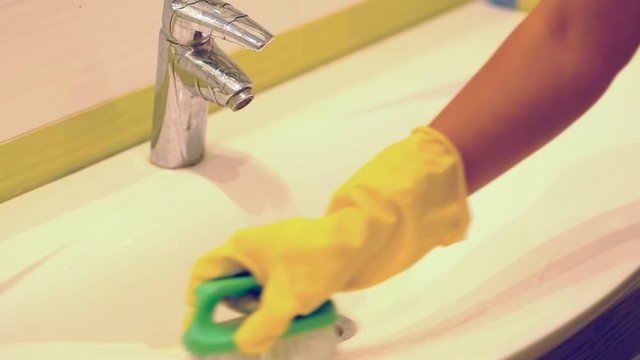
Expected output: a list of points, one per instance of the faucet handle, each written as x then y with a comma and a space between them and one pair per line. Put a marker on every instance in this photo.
188, 22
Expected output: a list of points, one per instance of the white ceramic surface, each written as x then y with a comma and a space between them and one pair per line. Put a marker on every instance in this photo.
94, 266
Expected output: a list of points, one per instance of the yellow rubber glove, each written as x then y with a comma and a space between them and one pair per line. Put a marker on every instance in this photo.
403, 203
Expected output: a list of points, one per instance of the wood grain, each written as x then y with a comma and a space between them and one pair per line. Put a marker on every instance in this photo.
615, 334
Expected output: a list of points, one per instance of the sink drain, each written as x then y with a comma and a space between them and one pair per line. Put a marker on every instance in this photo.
346, 328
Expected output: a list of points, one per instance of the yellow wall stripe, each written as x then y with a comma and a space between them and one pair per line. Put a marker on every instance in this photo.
70, 144
527, 5
49, 153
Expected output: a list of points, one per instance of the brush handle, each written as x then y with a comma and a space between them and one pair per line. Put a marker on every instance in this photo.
206, 337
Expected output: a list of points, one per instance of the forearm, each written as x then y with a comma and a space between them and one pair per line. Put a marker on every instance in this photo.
550, 70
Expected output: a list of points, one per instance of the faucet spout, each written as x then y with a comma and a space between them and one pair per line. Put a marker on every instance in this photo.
213, 75
193, 71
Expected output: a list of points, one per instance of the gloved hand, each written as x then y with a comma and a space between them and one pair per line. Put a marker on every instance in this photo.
403, 203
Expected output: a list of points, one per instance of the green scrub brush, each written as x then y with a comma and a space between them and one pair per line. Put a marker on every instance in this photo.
312, 337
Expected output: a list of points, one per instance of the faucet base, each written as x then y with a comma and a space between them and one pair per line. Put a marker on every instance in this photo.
181, 142
162, 163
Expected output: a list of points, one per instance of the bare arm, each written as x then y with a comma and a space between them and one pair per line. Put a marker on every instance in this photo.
550, 70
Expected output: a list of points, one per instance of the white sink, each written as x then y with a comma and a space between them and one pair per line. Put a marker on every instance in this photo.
95, 265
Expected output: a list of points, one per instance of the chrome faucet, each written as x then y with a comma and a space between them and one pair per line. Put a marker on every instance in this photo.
193, 71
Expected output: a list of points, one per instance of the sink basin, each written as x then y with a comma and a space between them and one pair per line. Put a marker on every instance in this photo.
100, 271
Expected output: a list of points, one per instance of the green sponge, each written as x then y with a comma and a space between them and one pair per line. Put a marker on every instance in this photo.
206, 338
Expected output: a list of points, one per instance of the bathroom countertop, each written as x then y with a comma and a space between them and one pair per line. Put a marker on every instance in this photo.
97, 262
